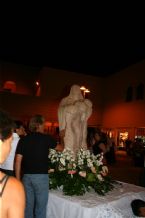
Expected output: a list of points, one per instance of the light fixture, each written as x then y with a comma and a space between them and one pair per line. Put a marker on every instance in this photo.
87, 90
83, 88
37, 83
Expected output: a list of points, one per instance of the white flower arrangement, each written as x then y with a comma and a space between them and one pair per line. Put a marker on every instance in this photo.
77, 175
64, 160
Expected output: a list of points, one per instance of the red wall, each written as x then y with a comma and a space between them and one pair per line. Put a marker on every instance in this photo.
107, 94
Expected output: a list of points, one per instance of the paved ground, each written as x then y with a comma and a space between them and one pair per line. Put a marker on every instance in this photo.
124, 170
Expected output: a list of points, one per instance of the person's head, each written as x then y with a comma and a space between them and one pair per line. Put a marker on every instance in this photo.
97, 135
36, 123
19, 128
138, 207
6, 130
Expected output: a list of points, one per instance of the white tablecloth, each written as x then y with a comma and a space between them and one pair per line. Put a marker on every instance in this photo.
115, 204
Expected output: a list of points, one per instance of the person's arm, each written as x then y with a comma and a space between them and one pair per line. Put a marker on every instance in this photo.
17, 204
18, 162
102, 146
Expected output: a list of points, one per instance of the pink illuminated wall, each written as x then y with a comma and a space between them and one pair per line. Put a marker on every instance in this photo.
118, 112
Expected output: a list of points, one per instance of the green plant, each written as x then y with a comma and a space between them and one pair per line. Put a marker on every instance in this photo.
77, 175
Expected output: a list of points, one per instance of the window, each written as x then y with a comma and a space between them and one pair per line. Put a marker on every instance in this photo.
129, 94
140, 91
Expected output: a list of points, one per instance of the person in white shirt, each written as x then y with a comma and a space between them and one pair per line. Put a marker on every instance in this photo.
8, 166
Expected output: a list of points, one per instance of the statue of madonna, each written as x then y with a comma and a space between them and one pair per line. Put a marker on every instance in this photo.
73, 113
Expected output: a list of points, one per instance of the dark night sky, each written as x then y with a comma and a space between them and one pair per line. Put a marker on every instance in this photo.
99, 44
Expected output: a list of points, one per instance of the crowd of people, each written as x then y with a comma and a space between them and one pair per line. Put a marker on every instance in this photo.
24, 160
136, 149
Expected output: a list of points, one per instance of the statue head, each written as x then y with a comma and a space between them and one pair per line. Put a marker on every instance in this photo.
75, 92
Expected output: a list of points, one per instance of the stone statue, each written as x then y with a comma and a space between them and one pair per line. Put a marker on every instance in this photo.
73, 113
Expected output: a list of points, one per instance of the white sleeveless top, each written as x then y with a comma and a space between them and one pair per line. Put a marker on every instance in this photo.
9, 162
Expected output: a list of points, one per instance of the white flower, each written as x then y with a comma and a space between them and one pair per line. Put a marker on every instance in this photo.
61, 168
68, 158
105, 169
83, 173
84, 161
74, 166
62, 161
93, 169
99, 163
100, 177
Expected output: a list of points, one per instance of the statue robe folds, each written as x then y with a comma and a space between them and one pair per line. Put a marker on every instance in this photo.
73, 113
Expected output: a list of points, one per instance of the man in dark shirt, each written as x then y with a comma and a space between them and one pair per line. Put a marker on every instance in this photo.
32, 151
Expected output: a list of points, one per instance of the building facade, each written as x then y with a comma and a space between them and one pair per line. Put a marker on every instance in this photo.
118, 100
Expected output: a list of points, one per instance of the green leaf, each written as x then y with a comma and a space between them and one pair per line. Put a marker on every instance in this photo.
91, 177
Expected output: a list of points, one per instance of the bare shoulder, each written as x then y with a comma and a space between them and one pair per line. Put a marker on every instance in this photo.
15, 187
14, 193
15, 184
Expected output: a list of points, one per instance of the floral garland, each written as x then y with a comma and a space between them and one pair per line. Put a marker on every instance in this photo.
76, 175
